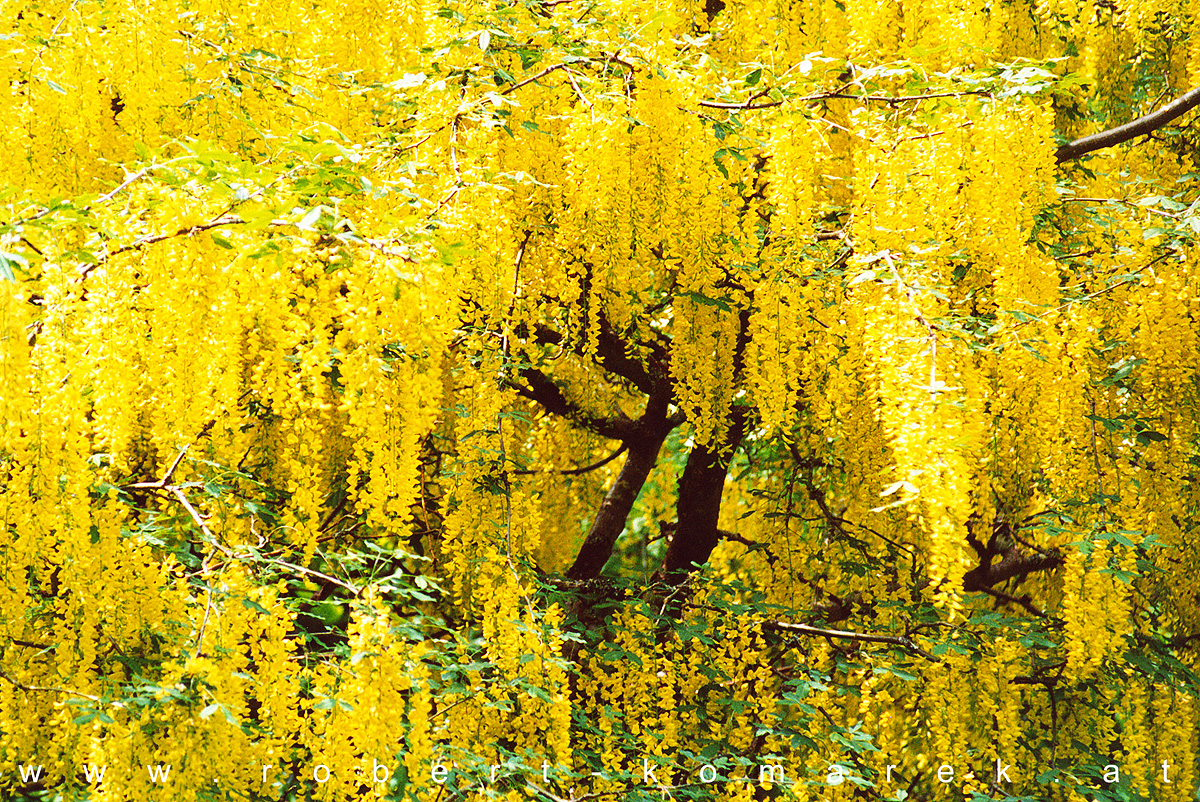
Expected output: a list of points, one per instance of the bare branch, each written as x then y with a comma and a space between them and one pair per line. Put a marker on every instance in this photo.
533, 78
1123, 133
804, 629
891, 100
46, 689
309, 572
579, 471
1025, 601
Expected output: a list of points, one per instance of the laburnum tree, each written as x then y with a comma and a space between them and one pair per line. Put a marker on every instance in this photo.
599, 399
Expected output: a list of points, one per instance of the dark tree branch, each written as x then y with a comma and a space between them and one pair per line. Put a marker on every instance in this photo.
1123, 133
699, 504
652, 429
544, 391
1025, 601
612, 354
891, 100
803, 629
1041, 675
1177, 642
1014, 562
580, 471
29, 645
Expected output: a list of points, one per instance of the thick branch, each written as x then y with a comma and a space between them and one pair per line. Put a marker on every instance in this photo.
699, 504
614, 510
544, 391
1014, 563
613, 355
1130, 130
703, 481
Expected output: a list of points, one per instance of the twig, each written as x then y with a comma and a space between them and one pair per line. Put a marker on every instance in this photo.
1096, 457
317, 574
744, 106
142, 242
1096, 294
804, 629
892, 99
578, 92
204, 623
532, 78
584, 469
171, 470
615, 58
187, 505
572, 797
934, 387
47, 689
223, 218
749, 105
504, 370
1025, 601
1159, 212
29, 645
108, 195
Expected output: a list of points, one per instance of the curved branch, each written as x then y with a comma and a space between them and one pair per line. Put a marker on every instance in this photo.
803, 629
612, 354
1123, 133
1013, 563
542, 389
46, 689
579, 471
652, 430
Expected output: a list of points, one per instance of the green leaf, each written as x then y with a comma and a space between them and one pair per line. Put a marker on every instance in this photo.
1121, 370
250, 604
309, 221
8, 261
706, 301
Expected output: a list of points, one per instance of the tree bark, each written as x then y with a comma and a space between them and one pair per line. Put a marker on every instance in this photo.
703, 482
643, 447
1123, 133
699, 504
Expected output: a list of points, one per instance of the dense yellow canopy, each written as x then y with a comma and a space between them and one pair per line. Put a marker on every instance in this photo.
601, 391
